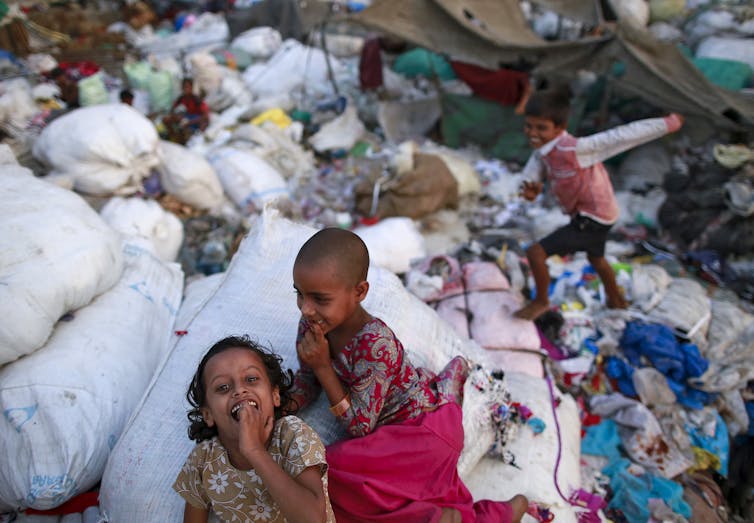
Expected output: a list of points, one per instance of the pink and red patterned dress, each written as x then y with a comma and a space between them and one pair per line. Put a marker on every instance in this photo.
405, 421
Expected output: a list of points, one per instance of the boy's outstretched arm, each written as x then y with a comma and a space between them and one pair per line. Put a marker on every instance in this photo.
601, 146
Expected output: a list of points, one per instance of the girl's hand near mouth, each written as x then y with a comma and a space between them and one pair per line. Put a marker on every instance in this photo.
254, 429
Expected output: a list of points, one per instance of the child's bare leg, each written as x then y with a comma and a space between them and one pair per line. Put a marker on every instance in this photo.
520, 505
615, 299
538, 264
450, 515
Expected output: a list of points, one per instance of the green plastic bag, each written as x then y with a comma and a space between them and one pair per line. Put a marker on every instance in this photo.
138, 74
92, 91
160, 89
420, 62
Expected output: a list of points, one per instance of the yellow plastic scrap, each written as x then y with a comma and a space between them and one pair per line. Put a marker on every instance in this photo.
276, 116
704, 459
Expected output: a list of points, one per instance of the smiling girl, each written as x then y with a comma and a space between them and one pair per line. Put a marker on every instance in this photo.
250, 463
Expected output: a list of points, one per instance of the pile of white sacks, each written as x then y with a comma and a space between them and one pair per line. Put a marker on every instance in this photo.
101, 394
87, 316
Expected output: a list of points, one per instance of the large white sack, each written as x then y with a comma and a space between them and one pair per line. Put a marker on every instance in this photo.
247, 179
255, 297
536, 454
259, 42
189, 177
393, 243
232, 92
277, 148
65, 405
205, 71
294, 66
103, 148
146, 219
56, 255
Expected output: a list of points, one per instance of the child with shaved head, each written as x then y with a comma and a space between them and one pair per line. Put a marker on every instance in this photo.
405, 421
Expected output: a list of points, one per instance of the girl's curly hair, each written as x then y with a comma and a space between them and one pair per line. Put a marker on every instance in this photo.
196, 395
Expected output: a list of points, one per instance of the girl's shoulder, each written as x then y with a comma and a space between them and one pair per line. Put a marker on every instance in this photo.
294, 434
376, 326
205, 451
294, 426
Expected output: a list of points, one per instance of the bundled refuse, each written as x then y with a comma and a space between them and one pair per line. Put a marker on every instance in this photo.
118, 186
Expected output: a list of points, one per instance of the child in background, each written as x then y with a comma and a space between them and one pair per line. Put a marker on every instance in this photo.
189, 114
574, 170
250, 463
400, 465
126, 97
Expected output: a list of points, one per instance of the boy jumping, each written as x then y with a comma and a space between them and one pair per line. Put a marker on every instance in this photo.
578, 179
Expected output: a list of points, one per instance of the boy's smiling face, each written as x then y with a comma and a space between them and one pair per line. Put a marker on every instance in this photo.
541, 130
324, 297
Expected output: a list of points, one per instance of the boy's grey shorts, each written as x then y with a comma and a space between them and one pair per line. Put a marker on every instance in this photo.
581, 234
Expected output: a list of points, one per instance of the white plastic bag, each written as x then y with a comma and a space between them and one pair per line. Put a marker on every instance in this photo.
104, 148
273, 144
259, 42
293, 67
146, 219
341, 133
393, 243
66, 405
56, 255
189, 177
246, 178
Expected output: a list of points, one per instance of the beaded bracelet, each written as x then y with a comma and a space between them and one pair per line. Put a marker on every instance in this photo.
342, 406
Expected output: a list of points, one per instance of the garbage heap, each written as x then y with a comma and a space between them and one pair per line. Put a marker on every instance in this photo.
142, 220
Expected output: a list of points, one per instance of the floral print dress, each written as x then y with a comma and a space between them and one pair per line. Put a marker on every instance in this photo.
208, 480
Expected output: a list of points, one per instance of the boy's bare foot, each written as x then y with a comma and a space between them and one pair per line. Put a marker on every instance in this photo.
450, 515
520, 505
533, 310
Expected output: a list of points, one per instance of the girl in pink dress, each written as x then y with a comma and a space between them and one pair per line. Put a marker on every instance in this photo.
405, 422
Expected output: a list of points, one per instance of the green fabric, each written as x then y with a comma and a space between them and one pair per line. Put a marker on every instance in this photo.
420, 62
3, 9
301, 116
495, 128
730, 74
